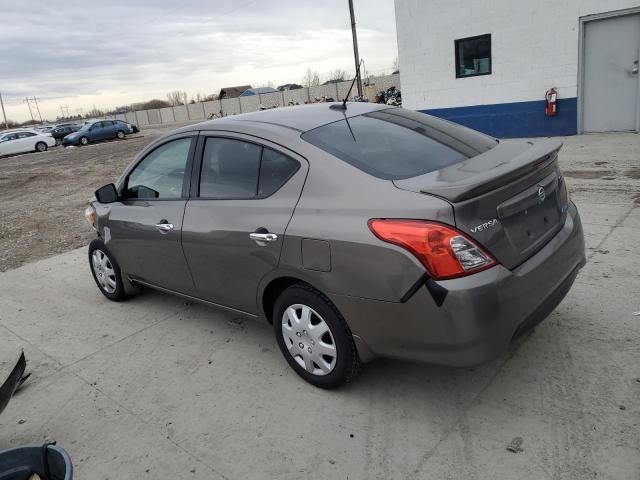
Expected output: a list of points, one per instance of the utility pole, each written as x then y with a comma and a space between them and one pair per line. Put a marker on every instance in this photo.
62, 111
355, 47
37, 108
29, 105
6, 124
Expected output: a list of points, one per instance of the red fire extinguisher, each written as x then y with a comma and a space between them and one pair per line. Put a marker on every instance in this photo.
552, 100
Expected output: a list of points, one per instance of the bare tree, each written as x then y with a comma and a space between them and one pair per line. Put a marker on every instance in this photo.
337, 74
177, 97
311, 78
396, 65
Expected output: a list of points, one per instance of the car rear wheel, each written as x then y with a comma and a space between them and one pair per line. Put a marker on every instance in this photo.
41, 147
106, 271
314, 338
120, 134
84, 140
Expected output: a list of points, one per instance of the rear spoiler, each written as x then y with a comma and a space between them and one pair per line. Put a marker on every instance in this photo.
504, 163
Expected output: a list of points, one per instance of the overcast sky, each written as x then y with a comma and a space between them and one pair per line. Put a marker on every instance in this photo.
111, 53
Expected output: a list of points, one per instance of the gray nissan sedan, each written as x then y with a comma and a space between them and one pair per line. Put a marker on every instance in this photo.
357, 232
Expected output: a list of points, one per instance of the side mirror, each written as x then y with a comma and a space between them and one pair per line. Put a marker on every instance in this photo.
107, 194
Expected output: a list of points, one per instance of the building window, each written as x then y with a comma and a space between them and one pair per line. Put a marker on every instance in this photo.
473, 56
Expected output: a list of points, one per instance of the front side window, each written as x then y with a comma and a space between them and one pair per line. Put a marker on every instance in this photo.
160, 175
26, 134
473, 56
395, 143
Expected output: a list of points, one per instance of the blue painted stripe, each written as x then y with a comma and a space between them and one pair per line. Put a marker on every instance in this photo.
520, 119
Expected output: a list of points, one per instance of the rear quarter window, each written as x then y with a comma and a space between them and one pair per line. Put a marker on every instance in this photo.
395, 143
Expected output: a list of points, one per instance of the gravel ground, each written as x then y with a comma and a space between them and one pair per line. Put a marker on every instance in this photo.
43, 195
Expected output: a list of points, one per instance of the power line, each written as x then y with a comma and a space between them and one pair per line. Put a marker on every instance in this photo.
6, 124
29, 105
37, 107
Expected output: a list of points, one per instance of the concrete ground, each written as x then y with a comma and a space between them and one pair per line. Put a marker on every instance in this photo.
156, 388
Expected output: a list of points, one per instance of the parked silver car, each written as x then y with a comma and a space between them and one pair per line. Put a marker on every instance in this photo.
359, 232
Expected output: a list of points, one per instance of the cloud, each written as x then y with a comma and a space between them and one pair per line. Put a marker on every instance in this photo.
114, 53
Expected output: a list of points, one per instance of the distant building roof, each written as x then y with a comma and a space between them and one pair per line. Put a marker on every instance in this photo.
257, 90
335, 80
289, 86
233, 92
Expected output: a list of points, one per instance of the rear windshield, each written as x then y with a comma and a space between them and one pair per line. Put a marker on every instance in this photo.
396, 143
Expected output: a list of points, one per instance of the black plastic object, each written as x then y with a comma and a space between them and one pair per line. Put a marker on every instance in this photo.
49, 461
8, 388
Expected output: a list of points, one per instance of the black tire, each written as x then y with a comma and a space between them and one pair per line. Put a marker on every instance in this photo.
347, 363
120, 134
41, 147
83, 141
119, 293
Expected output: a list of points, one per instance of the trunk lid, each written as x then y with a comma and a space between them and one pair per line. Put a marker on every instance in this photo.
511, 199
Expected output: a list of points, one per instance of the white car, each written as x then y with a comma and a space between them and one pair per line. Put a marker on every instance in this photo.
21, 141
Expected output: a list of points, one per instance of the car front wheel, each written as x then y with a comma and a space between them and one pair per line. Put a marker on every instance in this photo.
106, 271
314, 338
84, 140
120, 134
41, 147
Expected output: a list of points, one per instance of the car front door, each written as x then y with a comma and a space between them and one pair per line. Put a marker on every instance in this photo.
8, 144
143, 229
96, 131
240, 188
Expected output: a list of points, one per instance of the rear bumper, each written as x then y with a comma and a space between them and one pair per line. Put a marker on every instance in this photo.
481, 314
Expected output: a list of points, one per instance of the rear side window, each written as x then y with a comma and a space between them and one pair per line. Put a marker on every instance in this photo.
275, 170
234, 169
394, 144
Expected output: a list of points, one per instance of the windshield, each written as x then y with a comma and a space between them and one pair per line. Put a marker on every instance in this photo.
396, 143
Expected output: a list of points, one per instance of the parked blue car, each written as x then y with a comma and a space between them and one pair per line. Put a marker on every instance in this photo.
97, 130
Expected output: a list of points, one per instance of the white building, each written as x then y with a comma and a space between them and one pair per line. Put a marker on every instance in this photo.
487, 64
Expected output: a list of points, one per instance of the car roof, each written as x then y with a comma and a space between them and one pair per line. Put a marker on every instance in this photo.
300, 117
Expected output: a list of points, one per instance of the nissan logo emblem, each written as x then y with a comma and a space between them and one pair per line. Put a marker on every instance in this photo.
541, 193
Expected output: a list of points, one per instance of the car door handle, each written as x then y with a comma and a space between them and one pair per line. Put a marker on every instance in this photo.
263, 237
164, 226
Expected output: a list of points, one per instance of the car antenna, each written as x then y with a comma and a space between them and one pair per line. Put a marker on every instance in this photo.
344, 102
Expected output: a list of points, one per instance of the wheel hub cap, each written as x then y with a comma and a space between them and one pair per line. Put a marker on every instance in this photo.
103, 269
309, 339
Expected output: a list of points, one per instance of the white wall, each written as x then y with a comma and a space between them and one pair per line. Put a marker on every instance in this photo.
534, 48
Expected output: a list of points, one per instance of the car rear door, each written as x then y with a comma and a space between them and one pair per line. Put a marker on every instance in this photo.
26, 142
143, 229
242, 198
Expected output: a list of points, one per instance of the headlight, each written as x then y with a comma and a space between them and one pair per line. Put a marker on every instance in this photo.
91, 215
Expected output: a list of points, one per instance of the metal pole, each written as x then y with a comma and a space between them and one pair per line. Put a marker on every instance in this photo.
29, 105
6, 124
37, 108
355, 47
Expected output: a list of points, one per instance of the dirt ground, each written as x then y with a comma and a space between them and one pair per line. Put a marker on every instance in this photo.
43, 196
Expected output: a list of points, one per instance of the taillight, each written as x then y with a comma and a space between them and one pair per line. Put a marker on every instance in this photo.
444, 251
